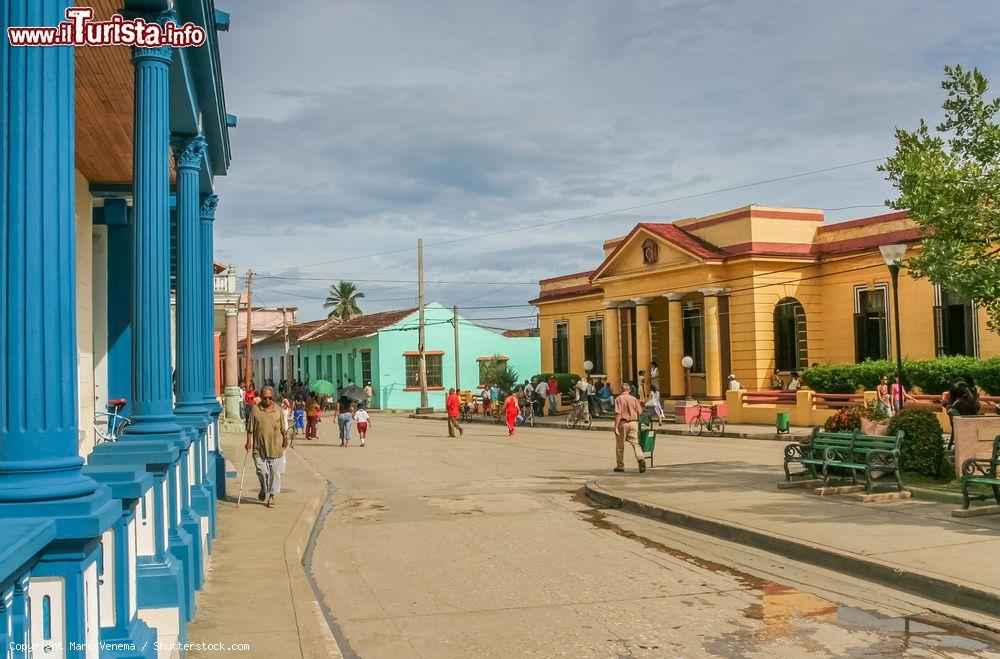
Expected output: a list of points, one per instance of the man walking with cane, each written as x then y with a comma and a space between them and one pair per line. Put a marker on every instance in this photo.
267, 438
627, 411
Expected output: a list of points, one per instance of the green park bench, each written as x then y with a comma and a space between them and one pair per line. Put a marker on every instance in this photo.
851, 452
982, 471
809, 453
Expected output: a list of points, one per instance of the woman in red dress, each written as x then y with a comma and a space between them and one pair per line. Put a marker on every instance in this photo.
511, 409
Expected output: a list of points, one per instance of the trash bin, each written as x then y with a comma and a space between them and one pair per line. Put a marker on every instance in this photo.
782, 422
647, 440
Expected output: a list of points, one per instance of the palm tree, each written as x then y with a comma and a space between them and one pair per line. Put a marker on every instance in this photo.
343, 299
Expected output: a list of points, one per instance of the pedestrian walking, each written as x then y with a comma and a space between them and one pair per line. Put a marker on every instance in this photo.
361, 418
370, 393
313, 412
268, 439
511, 410
541, 395
627, 411
553, 388
655, 403
345, 415
249, 398
454, 408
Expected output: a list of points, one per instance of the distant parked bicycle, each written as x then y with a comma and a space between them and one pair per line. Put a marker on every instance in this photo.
708, 417
580, 416
527, 414
109, 425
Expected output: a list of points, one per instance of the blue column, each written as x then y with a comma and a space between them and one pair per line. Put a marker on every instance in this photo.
40, 468
207, 267
189, 155
190, 407
152, 395
215, 462
38, 455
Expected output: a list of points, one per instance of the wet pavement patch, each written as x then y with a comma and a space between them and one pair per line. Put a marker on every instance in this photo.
783, 615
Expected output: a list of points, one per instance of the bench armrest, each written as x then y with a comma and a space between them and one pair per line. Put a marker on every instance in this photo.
796, 450
881, 459
835, 454
982, 467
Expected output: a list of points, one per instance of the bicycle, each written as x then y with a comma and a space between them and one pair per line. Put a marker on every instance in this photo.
109, 425
527, 415
714, 423
580, 416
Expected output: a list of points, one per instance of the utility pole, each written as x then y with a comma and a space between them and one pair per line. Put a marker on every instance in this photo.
247, 369
287, 375
422, 359
458, 376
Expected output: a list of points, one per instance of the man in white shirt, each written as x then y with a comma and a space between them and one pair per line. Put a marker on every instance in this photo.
734, 384
542, 392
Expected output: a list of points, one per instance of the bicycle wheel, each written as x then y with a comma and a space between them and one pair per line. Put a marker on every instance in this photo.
717, 426
571, 420
695, 427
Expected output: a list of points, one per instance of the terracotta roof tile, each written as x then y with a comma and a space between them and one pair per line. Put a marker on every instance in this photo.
360, 326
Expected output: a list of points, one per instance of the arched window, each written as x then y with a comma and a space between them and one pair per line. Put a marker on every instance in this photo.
790, 344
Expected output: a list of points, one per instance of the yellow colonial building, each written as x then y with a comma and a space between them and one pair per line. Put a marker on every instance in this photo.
745, 292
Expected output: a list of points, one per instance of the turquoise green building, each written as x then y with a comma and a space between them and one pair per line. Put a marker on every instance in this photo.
382, 348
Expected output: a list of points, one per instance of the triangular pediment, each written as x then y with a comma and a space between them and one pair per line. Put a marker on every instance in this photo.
645, 250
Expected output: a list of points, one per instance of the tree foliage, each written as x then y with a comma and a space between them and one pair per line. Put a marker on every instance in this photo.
949, 182
497, 371
343, 301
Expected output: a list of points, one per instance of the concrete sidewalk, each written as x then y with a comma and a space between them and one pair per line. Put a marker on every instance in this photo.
603, 424
911, 545
256, 592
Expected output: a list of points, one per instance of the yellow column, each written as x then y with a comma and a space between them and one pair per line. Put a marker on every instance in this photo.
713, 346
675, 344
612, 344
642, 345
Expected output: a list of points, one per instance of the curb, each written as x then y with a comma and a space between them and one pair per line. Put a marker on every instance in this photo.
939, 589
315, 637
767, 437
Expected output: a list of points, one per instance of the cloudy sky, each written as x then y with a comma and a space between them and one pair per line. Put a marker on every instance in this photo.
364, 124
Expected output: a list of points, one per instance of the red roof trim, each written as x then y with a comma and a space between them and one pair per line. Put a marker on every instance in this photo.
875, 219
845, 246
562, 293
575, 275
867, 242
416, 353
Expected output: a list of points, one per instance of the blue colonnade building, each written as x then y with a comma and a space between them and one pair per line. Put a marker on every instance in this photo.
107, 202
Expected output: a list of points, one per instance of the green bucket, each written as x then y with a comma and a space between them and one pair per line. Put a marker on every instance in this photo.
782, 423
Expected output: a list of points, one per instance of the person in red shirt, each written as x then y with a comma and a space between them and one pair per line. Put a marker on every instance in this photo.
452, 404
553, 395
511, 409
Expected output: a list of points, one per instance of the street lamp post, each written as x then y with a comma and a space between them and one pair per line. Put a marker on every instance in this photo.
893, 257
687, 363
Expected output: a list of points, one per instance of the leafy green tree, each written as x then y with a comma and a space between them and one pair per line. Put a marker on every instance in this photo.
497, 371
949, 182
343, 301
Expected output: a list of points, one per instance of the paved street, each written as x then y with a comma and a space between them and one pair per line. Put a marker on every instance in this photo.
485, 546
